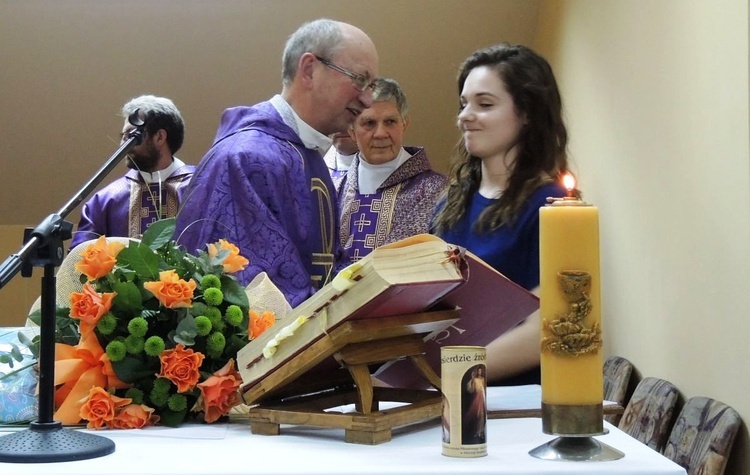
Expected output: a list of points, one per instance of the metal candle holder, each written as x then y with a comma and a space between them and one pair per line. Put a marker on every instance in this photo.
575, 427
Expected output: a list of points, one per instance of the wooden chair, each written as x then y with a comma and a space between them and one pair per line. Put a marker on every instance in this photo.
617, 372
648, 415
702, 436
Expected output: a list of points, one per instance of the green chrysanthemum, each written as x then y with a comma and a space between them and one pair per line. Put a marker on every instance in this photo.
215, 344
158, 399
210, 281
234, 315
116, 351
213, 314
203, 325
138, 327
135, 394
177, 402
154, 346
198, 308
107, 324
134, 344
213, 296
161, 385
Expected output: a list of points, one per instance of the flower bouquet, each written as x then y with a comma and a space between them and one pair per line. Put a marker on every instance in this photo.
158, 332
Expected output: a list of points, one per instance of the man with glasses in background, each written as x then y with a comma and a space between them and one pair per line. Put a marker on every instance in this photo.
263, 185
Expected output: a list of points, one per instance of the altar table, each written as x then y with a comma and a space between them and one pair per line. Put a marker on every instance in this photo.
232, 449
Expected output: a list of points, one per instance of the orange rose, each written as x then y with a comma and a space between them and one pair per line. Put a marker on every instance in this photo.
234, 262
219, 392
134, 416
172, 291
181, 367
100, 407
260, 323
90, 306
99, 258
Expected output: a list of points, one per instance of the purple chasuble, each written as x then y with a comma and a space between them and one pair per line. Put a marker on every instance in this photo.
259, 188
401, 207
366, 224
127, 206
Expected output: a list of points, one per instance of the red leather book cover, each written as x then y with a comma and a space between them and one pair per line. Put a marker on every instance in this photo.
489, 304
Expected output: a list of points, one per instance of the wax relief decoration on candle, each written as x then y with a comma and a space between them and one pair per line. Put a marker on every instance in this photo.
568, 335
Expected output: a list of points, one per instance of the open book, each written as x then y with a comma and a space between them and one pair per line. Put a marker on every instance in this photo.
489, 305
413, 275
403, 278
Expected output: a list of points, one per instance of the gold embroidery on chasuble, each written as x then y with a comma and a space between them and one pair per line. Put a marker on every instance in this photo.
322, 199
150, 204
360, 216
385, 216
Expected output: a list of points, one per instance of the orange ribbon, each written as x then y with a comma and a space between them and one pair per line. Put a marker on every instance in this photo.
78, 369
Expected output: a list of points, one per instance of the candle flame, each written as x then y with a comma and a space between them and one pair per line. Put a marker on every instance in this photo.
569, 182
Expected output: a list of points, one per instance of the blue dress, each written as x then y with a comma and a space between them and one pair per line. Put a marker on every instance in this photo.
512, 250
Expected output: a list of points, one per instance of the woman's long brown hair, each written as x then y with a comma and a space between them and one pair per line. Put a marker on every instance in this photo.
542, 143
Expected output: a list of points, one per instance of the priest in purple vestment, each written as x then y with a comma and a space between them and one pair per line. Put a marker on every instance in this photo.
390, 190
152, 189
263, 185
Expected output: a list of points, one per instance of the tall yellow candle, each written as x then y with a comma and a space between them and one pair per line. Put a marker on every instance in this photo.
571, 356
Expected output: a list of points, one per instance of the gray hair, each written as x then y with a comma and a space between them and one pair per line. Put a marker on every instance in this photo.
387, 89
321, 37
159, 113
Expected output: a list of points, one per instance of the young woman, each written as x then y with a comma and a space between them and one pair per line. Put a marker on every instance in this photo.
511, 157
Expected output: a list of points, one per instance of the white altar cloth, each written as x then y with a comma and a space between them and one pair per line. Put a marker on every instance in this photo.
226, 449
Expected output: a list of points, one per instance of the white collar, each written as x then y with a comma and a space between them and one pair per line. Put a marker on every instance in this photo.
160, 175
310, 137
370, 177
336, 160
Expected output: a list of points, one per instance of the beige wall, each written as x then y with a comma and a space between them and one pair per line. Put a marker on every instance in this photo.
67, 67
16, 297
657, 102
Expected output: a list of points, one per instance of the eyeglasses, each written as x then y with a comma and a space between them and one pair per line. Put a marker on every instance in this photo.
360, 82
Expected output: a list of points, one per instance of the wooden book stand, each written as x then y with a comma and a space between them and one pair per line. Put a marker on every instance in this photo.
290, 396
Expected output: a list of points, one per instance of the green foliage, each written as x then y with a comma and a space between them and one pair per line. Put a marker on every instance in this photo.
66, 328
12, 357
186, 331
159, 234
234, 293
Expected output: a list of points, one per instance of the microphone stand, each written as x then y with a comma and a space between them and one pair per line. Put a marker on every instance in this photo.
46, 440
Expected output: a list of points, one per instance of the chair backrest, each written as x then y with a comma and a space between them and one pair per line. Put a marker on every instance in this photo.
617, 372
648, 415
702, 436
